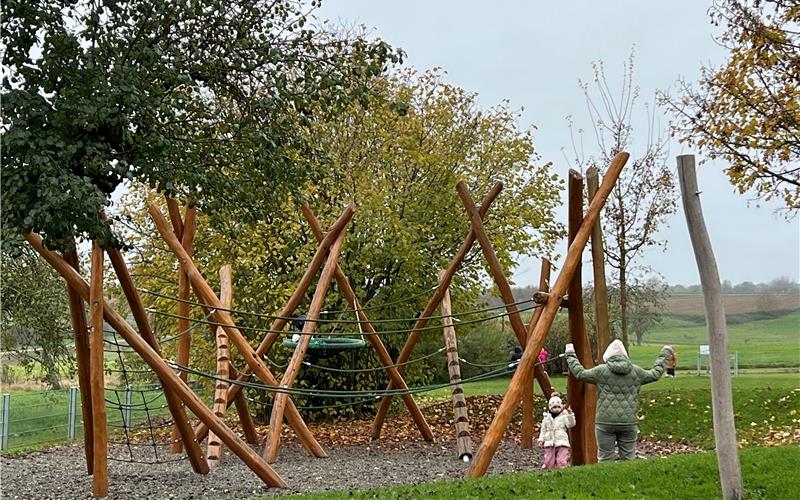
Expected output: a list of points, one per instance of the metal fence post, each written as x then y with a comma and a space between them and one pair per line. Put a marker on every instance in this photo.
4, 427
71, 417
126, 413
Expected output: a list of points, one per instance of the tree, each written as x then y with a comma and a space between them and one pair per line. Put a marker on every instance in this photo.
202, 99
747, 112
644, 196
398, 160
35, 316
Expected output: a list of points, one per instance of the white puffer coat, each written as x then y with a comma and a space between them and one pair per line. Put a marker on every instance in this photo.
554, 430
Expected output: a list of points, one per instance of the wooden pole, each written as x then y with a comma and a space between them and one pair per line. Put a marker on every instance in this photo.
603, 331
500, 280
163, 371
730, 473
527, 395
430, 307
97, 352
184, 330
511, 399
245, 418
463, 441
383, 354
582, 396
175, 216
289, 309
221, 316
82, 358
223, 367
185, 432
309, 327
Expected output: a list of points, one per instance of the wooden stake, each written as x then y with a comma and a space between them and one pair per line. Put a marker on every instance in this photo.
83, 360
730, 472
383, 354
221, 316
527, 395
511, 399
279, 322
223, 367
603, 330
97, 352
184, 330
309, 327
162, 370
500, 280
245, 418
460, 413
430, 307
176, 409
582, 396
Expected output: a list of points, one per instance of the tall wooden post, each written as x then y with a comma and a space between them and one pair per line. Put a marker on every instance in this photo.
223, 366
97, 351
82, 358
582, 396
160, 367
512, 397
603, 331
185, 342
527, 395
730, 473
309, 327
463, 441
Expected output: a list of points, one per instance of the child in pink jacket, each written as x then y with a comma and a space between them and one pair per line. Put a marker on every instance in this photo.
553, 436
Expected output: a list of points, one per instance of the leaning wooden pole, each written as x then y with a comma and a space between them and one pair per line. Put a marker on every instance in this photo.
309, 327
160, 367
511, 399
97, 352
221, 316
383, 354
176, 408
603, 330
82, 358
730, 473
582, 396
184, 329
496, 270
527, 431
289, 309
223, 367
430, 307
460, 412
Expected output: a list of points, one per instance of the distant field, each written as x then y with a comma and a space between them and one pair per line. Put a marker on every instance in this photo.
691, 305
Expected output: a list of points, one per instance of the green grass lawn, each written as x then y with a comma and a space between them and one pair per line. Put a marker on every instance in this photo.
767, 473
784, 329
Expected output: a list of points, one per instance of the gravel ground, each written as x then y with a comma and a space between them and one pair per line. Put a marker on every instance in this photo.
60, 473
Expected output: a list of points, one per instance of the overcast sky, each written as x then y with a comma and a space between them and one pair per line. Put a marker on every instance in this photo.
534, 53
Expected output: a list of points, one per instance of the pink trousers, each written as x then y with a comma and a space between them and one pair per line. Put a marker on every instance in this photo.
556, 457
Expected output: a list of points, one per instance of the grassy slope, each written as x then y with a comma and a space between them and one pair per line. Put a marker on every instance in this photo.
767, 473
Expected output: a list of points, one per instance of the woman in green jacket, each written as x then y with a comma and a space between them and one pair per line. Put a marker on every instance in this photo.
618, 382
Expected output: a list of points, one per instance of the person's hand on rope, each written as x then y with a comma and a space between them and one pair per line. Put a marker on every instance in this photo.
569, 349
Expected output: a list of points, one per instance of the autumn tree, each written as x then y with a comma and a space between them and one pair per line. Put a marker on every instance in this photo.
398, 160
35, 318
201, 99
747, 111
644, 196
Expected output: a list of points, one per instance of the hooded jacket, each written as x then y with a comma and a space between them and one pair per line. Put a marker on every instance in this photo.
618, 382
554, 429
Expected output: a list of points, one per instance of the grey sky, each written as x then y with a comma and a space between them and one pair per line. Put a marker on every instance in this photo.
533, 54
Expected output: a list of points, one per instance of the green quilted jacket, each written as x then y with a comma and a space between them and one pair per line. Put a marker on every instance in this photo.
618, 382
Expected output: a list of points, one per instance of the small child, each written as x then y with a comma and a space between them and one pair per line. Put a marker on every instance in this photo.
553, 436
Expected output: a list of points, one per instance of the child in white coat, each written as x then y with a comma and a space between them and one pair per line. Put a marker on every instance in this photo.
553, 436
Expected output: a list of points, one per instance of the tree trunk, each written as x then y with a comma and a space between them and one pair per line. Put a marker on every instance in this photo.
623, 300
730, 473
